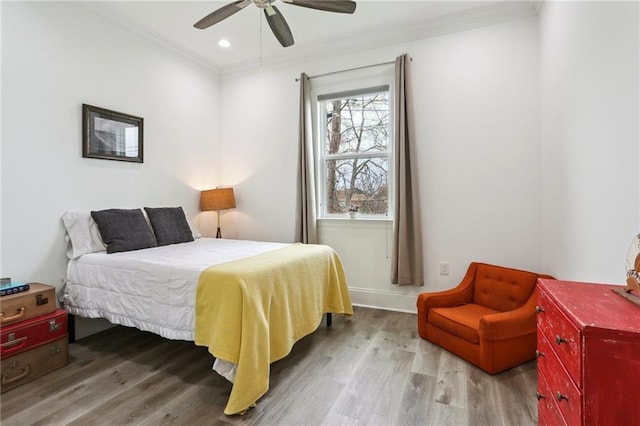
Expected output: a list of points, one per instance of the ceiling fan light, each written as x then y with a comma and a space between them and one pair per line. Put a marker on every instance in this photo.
270, 11
224, 43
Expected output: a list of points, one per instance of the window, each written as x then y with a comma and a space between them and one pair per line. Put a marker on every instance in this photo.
355, 136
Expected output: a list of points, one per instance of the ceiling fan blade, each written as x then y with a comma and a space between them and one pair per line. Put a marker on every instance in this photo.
223, 13
340, 6
279, 26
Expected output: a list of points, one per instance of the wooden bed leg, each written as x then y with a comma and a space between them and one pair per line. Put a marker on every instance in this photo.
328, 319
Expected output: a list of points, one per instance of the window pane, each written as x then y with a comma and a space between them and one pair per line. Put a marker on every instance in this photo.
360, 182
357, 124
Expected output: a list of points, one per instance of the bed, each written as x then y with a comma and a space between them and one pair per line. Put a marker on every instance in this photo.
248, 302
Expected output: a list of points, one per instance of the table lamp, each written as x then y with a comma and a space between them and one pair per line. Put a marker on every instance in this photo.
217, 199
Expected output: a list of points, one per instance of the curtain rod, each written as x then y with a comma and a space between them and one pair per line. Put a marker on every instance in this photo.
349, 69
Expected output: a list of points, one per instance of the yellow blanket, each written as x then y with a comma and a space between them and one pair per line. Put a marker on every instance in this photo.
252, 311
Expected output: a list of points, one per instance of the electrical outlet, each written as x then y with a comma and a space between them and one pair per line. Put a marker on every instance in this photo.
444, 268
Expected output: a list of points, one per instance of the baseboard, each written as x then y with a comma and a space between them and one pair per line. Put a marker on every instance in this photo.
382, 299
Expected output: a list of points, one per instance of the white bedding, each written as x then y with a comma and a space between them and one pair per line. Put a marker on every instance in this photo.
151, 289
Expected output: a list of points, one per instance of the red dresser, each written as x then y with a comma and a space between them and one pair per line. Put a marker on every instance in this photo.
588, 355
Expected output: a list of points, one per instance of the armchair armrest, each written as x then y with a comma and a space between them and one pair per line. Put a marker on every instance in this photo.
461, 294
509, 324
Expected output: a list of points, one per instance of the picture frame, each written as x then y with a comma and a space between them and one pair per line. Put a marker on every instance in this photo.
111, 135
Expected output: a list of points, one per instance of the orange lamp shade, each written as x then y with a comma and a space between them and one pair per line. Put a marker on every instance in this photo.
217, 199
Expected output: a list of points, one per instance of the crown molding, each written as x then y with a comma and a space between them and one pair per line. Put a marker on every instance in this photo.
135, 29
502, 11
462, 21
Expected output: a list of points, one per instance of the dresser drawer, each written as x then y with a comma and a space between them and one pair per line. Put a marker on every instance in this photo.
563, 336
561, 388
548, 411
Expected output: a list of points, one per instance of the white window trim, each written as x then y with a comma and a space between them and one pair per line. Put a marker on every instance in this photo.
349, 81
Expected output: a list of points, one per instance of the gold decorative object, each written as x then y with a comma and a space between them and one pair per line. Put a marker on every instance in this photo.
632, 290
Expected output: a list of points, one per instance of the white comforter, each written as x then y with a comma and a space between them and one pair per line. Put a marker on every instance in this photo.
151, 289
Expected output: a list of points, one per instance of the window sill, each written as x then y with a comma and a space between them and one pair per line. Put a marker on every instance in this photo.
359, 222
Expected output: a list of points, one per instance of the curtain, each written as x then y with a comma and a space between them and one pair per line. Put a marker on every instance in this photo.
306, 221
406, 261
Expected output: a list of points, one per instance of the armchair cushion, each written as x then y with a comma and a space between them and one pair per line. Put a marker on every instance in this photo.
462, 321
502, 289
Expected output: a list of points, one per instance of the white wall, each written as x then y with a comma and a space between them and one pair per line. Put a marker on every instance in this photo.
259, 151
56, 56
479, 158
491, 191
590, 137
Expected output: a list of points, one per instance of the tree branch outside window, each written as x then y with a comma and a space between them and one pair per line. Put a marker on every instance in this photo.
356, 151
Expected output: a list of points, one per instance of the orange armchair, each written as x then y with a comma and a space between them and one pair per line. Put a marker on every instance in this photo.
489, 319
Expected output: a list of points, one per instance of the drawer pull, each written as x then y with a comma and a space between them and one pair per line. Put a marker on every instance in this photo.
560, 340
539, 309
25, 372
20, 313
539, 354
560, 396
539, 396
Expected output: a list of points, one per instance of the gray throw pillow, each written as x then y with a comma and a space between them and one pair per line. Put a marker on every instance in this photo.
169, 224
124, 229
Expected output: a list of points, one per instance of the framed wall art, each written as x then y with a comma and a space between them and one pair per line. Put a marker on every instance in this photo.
111, 135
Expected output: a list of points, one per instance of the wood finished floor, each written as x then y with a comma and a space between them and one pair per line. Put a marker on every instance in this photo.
370, 369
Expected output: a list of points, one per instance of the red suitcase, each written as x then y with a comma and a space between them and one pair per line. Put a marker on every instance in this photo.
28, 334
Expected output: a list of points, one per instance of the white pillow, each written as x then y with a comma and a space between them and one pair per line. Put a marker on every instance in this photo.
83, 234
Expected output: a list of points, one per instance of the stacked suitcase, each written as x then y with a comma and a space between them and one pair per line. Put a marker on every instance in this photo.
33, 335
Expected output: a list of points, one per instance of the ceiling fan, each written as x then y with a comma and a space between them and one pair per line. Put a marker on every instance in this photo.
275, 19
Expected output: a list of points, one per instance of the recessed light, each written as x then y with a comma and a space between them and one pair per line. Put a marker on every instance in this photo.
224, 43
